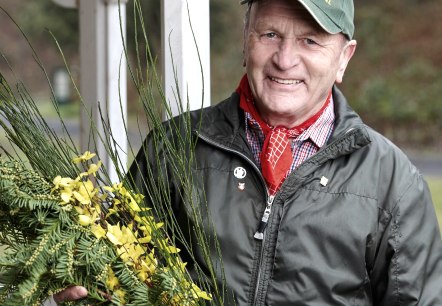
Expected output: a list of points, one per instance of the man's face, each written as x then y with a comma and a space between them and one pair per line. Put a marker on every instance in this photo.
291, 62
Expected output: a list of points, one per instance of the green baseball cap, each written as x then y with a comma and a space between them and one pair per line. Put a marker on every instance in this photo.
334, 16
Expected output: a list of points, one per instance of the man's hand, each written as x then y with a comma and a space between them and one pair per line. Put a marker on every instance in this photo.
70, 294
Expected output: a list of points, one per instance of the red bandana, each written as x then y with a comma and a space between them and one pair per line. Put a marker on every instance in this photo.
276, 155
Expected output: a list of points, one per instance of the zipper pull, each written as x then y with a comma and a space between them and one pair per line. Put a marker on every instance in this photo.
265, 217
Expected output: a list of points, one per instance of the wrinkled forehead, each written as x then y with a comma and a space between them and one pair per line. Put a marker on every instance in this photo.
282, 9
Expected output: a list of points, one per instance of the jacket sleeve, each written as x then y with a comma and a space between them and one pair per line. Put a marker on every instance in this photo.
411, 251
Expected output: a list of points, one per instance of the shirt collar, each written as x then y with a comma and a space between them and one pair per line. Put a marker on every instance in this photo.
318, 132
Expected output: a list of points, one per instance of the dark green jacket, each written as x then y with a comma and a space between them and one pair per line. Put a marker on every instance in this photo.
369, 236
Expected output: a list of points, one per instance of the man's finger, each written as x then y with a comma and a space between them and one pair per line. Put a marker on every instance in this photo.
70, 294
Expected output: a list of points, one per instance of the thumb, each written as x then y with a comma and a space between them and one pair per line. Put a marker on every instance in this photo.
70, 294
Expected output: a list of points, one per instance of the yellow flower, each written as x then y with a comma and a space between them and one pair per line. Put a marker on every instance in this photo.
198, 293
93, 169
111, 212
117, 187
114, 234
164, 245
147, 266
130, 253
128, 235
62, 182
86, 156
133, 204
66, 186
139, 197
79, 210
85, 192
66, 195
108, 188
145, 271
85, 220
145, 239
112, 281
98, 231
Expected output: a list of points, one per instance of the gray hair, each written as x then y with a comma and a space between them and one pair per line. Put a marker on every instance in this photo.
247, 14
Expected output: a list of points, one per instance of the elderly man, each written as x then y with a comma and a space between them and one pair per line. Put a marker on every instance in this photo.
310, 206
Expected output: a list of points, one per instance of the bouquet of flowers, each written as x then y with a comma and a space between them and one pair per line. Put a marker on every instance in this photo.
70, 231
62, 221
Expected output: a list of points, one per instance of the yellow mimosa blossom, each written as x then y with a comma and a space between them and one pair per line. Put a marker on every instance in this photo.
84, 157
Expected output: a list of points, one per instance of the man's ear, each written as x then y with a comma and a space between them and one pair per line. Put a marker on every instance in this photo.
346, 54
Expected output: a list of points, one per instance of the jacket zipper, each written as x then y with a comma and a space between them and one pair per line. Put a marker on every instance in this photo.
260, 233
265, 218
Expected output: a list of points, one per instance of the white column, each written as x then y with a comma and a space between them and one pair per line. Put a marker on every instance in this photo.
181, 46
103, 77
116, 82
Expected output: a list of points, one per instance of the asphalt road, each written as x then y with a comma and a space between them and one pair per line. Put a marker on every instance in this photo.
428, 166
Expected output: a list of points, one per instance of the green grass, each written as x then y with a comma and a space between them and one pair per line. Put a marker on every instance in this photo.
435, 185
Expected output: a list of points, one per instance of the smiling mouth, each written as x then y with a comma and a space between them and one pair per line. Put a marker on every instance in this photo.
285, 81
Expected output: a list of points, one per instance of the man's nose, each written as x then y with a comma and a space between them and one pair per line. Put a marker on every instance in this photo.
287, 55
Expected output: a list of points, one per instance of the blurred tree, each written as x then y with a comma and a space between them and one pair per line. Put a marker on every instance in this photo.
38, 17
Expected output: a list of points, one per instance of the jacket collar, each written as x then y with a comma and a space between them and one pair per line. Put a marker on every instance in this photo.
224, 124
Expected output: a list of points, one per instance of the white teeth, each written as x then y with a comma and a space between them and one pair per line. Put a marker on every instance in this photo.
285, 82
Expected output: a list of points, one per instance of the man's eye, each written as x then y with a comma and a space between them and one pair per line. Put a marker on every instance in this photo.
270, 35
309, 41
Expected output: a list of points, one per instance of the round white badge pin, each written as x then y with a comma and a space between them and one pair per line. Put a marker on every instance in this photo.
240, 172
